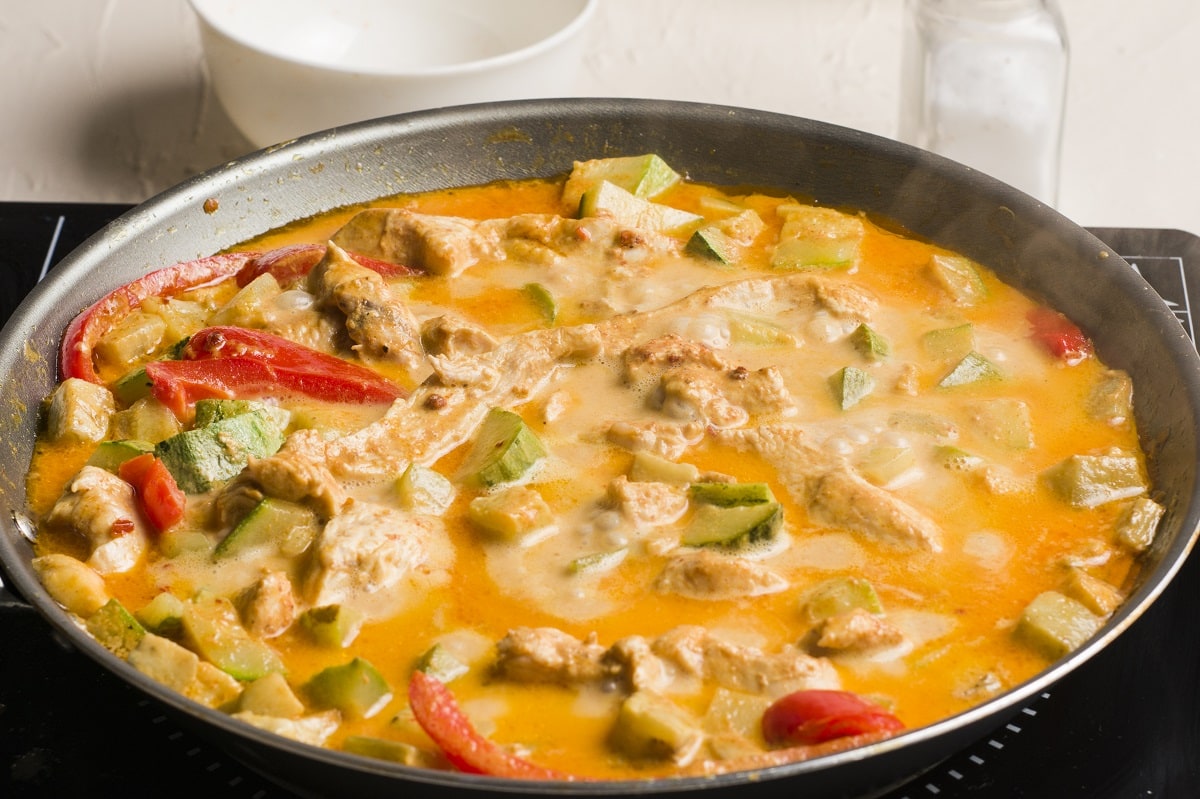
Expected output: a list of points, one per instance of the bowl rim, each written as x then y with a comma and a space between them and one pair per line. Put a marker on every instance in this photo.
462, 68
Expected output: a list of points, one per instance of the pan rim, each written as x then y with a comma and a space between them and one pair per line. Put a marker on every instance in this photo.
179, 202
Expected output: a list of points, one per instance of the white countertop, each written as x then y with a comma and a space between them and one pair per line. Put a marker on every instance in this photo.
108, 100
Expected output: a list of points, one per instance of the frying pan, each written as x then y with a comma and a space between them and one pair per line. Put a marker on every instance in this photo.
1028, 244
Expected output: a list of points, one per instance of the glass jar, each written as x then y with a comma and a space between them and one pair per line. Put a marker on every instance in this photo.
984, 82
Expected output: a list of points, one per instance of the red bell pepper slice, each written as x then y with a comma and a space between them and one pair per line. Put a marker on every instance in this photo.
162, 501
815, 716
235, 362
75, 356
438, 713
288, 264
1059, 335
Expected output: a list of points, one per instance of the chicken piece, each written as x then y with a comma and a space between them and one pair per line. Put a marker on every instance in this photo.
548, 655
452, 337
633, 660
441, 245
646, 504
556, 405
693, 395
697, 384
650, 358
297, 473
541, 238
440, 415
437, 417
472, 373
703, 574
724, 399
103, 509
365, 549
269, 606
844, 499
380, 323
665, 439
857, 630
844, 299
696, 651
831, 489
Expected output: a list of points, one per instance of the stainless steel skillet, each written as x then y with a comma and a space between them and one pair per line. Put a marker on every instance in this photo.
1027, 243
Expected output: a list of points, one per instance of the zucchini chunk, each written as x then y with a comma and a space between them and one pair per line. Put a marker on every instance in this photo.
163, 615
734, 527
949, 343
1098, 596
882, 465
543, 300
512, 515
651, 727
440, 663
727, 495
356, 688
423, 490
598, 562
641, 175
79, 411
132, 387
869, 343
332, 626
270, 695
1111, 398
146, 419
609, 200
1139, 523
959, 277
72, 583
215, 410
504, 450
851, 386
211, 628
723, 241
1005, 421
385, 749
115, 628
650, 468
136, 335
816, 238
109, 455
840, 595
246, 308
1086, 481
757, 331
973, 368
1055, 624
284, 526
201, 458
956, 459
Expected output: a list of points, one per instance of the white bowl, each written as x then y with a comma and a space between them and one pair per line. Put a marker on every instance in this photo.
284, 68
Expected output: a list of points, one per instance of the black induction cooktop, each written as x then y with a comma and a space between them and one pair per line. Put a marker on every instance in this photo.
1125, 724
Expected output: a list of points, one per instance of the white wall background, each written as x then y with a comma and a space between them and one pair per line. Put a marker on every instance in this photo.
108, 100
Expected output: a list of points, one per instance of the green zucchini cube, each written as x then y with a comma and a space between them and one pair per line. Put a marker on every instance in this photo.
356, 688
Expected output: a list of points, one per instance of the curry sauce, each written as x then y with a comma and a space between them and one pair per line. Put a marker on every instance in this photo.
660, 457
